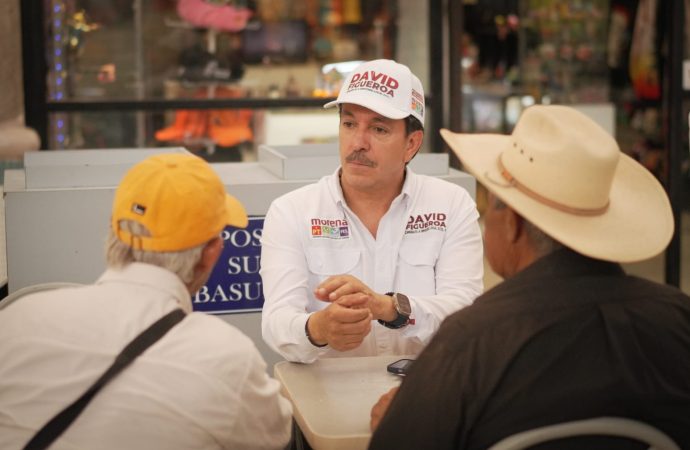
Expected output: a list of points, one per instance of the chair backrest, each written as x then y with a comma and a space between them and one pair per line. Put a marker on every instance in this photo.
600, 426
14, 296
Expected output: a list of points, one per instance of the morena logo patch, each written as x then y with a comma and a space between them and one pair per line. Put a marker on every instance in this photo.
330, 228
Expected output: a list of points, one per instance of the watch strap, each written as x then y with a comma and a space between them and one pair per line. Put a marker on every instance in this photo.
400, 321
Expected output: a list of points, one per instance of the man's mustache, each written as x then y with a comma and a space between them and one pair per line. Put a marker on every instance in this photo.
360, 158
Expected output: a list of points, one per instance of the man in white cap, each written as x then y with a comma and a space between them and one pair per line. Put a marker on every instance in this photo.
364, 262
568, 335
203, 384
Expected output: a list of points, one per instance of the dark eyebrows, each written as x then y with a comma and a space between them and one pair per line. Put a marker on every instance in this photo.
377, 119
382, 120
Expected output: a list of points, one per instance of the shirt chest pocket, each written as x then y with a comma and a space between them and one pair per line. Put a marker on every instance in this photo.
324, 262
416, 272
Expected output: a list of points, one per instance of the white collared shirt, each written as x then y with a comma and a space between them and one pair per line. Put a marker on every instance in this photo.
428, 247
202, 386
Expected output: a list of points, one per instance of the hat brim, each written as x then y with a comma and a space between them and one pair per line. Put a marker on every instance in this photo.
236, 215
637, 225
366, 101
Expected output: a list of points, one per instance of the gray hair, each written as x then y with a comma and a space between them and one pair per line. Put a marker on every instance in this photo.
542, 243
181, 263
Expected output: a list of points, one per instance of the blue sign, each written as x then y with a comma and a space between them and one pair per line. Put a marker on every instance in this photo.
235, 284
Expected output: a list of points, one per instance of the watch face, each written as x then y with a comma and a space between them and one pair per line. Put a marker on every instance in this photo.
403, 304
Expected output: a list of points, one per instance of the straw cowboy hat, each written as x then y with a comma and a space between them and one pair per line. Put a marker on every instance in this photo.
566, 175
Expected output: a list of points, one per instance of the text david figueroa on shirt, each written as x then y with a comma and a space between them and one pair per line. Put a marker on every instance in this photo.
420, 223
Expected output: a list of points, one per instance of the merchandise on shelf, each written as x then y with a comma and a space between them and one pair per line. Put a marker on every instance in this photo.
564, 49
218, 15
222, 127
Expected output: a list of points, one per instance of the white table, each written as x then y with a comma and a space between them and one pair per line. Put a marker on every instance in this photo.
332, 398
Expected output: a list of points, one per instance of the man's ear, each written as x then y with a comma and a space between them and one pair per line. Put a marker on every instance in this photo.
514, 225
414, 141
210, 255
202, 270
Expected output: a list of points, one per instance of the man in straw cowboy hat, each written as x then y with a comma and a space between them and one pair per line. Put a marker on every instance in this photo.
202, 385
568, 335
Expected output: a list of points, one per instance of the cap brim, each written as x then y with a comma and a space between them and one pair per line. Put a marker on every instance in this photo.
236, 215
637, 225
366, 101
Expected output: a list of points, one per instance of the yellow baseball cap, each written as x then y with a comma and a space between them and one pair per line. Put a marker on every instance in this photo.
179, 199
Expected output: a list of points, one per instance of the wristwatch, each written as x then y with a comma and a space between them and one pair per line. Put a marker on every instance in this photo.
402, 307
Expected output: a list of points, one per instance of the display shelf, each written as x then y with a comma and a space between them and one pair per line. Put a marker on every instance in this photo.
163, 104
143, 46
563, 50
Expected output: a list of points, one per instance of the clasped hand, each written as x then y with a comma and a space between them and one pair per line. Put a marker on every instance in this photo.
347, 320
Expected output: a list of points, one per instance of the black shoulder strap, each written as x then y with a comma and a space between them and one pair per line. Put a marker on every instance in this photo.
58, 424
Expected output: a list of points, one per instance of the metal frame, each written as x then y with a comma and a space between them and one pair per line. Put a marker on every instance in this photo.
673, 108
436, 95
34, 67
158, 105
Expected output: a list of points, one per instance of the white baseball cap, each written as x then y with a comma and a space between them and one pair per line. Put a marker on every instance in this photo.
386, 87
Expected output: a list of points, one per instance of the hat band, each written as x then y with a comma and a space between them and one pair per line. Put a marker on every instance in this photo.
546, 201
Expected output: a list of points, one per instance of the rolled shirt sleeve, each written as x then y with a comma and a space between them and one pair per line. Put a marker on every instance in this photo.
264, 419
285, 276
458, 271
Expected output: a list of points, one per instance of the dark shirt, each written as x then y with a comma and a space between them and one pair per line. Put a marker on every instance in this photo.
568, 338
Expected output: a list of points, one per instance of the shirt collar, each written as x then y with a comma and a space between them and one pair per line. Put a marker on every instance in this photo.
567, 262
563, 262
153, 277
335, 188
410, 182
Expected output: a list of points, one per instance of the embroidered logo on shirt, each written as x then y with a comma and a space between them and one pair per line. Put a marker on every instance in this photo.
424, 222
330, 228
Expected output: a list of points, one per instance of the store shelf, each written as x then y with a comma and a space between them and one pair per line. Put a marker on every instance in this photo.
163, 104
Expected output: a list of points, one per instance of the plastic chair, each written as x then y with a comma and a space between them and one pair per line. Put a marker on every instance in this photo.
604, 426
14, 296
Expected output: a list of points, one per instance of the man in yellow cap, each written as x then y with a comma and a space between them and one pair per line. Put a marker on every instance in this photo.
568, 335
202, 385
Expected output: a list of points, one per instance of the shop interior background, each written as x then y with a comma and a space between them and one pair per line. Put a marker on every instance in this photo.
151, 73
